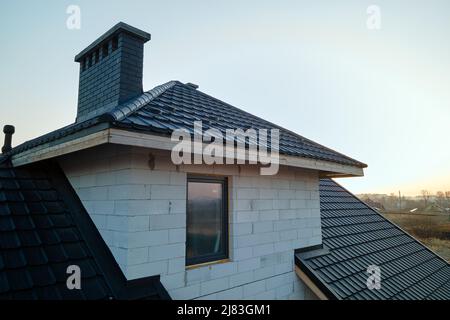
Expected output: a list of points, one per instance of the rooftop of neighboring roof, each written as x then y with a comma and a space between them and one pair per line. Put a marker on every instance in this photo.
44, 229
354, 237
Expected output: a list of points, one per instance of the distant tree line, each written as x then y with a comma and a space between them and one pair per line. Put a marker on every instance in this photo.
440, 200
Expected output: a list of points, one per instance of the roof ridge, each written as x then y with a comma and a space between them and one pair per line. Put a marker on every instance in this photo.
122, 111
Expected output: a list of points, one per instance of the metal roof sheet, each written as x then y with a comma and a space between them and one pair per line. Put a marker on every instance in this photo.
357, 236
175, 105
43, 231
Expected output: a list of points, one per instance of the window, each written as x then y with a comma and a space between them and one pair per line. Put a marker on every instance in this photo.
207, 220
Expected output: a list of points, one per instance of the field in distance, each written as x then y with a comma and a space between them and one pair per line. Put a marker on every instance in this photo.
433, 230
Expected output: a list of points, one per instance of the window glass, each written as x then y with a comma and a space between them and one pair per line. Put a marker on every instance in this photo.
206, 221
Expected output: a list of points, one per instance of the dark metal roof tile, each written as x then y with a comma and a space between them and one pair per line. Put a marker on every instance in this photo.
6, 224
14, 259
39, 240
357, 237
19, 279
24, 222
29, 238
9, 240
42, 275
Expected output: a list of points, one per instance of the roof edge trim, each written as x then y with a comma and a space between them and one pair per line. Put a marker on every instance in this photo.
318, 288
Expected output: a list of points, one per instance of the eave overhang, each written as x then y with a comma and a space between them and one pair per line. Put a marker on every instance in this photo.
104, 133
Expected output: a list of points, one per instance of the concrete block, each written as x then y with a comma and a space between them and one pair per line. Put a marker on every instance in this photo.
268, 194
137, 256
198, 275
144, 238
146, 270
167, 192
177, 206
138, 223
117, 223
176, 264
262, 204
99, 220
247, 193
281, 204
105, 179
173, 281
288, 214
246, 216
242, 253
263, 249
167, 221
269, 215
86, 181
212, 286
241, 278
288, 235
284, 291
284, 267
298, 204
262, 226
286, 194
249, 264
127, 192
243, 205
263, 273
102, 207
238, 229
266, 295
254, 288
185, 293
168, 251
177, 235
178, 178
231, 294
223, 269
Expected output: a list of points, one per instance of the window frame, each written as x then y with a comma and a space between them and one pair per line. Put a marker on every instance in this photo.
224, 254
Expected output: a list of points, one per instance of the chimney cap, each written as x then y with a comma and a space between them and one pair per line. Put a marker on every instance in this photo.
120, 27
8, 129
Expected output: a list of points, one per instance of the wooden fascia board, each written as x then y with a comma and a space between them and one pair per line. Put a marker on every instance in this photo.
145, 140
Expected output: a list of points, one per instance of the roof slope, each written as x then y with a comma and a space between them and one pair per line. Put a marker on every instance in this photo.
175, 105
43, 230
356, 236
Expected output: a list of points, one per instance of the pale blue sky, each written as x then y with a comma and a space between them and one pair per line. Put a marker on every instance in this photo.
382, 97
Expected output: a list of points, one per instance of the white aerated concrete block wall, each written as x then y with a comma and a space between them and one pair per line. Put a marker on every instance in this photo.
137, 199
